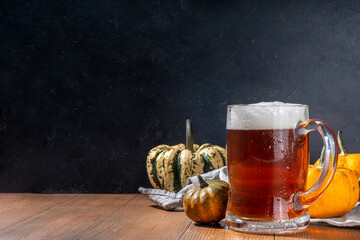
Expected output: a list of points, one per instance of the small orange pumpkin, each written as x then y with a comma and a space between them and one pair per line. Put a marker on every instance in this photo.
339, 198
347, 160
206, 203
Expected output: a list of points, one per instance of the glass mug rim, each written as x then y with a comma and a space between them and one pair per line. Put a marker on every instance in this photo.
268, 115
268, 105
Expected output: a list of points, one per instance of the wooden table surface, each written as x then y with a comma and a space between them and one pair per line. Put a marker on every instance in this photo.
119, 216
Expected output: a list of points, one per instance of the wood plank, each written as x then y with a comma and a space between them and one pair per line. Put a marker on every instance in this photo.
219, 231
68, 220
197, 231
15, 208
320, 231
140, 219
111, 216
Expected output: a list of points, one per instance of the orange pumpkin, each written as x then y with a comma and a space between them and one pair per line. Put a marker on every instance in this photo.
206, 203
339, 198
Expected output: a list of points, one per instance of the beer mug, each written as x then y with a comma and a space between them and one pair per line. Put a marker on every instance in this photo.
268, 158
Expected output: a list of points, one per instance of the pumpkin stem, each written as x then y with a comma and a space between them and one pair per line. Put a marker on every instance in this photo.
343, 151
202, 183
189, 136
322, 155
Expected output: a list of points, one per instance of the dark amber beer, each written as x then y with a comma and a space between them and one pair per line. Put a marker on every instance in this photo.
267, 161
266, 169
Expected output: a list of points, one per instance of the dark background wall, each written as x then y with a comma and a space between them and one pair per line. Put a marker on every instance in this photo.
87, 88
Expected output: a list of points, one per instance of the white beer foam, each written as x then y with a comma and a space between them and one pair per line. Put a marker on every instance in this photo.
266, 115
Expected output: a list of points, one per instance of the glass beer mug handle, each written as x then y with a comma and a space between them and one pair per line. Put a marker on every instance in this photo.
304, 199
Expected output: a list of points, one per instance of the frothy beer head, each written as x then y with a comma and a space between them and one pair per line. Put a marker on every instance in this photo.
266, 115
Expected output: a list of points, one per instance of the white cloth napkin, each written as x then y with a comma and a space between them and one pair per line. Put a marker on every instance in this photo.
173, 201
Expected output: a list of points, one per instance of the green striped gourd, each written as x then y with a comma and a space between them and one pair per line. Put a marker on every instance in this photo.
169, 167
